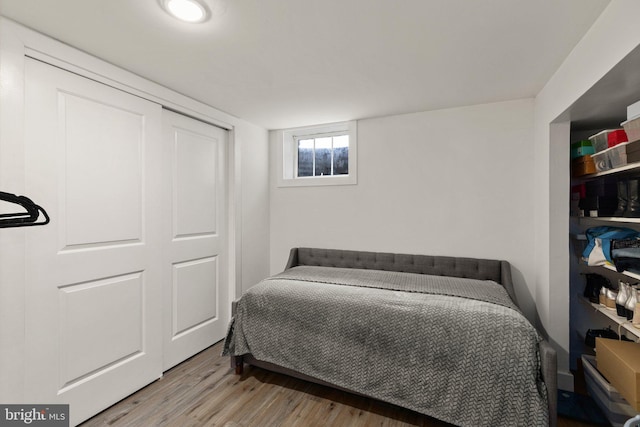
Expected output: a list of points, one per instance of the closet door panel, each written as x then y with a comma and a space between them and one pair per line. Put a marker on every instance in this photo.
194, 294
94, 293
104, 171
195, 181
196, 246
92, 337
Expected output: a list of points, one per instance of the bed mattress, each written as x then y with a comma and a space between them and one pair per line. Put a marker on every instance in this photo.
452, 348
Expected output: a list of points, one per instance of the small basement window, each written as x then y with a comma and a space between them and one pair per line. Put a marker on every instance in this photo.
319, 155
323, 155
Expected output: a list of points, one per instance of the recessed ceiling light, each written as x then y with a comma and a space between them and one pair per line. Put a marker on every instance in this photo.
186, 10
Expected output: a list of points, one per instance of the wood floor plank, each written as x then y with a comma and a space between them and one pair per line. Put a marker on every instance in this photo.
204, 391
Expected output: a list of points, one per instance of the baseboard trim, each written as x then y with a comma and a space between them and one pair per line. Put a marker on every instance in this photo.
565, 381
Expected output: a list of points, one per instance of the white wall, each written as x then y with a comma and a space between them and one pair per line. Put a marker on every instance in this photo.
450, 182
612, 36
253, 178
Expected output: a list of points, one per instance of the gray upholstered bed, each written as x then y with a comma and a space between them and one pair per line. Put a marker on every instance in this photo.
407, 329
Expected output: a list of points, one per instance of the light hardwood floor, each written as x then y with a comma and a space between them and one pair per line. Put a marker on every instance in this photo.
204, 391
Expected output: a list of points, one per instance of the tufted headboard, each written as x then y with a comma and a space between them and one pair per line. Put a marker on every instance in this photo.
472, 268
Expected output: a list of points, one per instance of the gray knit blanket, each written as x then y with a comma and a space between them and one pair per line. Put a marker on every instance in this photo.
455, 349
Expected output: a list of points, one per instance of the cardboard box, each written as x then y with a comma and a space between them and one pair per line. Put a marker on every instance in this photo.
619, 363
581, 148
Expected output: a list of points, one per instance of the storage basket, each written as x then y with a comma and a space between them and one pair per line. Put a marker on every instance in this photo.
632, 128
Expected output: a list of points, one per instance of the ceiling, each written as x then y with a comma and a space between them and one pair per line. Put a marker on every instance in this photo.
286, 63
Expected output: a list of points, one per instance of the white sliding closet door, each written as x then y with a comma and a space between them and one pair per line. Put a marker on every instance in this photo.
196, 288
94, 274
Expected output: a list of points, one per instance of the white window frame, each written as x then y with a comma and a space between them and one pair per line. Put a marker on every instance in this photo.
288, 155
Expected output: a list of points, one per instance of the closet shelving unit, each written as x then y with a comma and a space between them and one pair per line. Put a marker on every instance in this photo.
623, 325
603, 106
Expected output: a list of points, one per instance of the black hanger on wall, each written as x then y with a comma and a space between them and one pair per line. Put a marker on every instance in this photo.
22, 219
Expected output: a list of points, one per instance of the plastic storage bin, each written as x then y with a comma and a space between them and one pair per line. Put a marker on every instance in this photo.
616, 137
617, 155
601, 161
600, 140
632, 128
616, 409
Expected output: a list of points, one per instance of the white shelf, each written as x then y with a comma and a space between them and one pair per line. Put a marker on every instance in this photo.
625, 168
587, 219
635, 276
622, 322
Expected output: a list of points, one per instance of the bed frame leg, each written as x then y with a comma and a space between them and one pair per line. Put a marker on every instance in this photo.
238, 363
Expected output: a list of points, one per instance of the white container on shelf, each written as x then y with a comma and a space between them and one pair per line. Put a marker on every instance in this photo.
617, 410
632, 128
601, 160
633, 110
617, 155
600, 140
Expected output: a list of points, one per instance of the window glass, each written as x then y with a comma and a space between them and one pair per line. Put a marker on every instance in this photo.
323, 156
341, 155
305, 157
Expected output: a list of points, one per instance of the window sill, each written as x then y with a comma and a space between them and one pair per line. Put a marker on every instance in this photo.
318, 181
